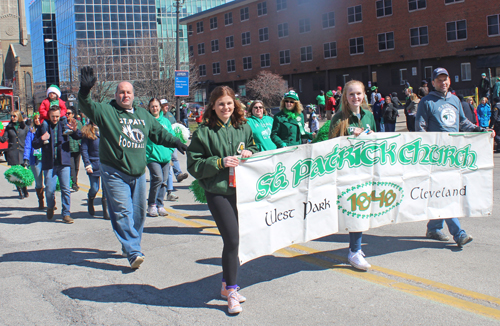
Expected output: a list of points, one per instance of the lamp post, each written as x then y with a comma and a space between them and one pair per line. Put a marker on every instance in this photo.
178, 4
48, 40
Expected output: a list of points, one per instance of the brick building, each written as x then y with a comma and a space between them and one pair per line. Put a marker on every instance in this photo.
320, 44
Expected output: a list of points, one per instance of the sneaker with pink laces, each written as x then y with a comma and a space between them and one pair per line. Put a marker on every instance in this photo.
224, 293
233, 305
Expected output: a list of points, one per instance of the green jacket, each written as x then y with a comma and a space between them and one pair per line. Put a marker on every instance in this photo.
207, 150
287, 131
320, 99
366, 119
158, 153
74, 145
124, 134
261, 129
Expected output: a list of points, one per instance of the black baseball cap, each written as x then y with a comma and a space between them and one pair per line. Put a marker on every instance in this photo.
439, 71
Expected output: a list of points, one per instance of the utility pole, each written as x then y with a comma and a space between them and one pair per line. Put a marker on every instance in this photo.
178, 4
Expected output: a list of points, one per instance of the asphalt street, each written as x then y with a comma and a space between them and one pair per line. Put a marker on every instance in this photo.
52, 273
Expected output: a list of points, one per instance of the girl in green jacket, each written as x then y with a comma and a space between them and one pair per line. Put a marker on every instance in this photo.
354, 119
261, 125
210, 157
158, 160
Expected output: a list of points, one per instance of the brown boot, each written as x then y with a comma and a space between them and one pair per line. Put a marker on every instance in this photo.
68, 219
21, 194
90, 205
105, 214
39, 193
25, 192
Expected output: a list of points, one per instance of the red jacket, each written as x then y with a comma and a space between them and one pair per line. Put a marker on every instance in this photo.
45, 106
330, 104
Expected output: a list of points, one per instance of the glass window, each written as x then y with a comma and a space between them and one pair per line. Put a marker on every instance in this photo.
493, 25
231, 65
284, 57
244, 14
329, 19
416, 4
213, 23
199, 27
304, 25
386, 41
201, 48
384, 8
264, 34
330, 50
262, 9
465, 69
452, 1
245, 38
247, 63
280, 5
228, 18
306, 53
283, 30
356, 45
419, 36
216, 68
203, 70
230, 42
265, 60
191, 51
456, 31
215, 45
354, 14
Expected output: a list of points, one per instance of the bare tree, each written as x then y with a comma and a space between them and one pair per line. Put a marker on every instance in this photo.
267, 87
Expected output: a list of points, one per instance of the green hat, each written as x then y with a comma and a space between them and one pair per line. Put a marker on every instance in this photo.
374, 88
291, 94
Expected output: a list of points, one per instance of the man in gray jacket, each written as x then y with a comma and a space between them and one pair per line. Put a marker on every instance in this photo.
441, 111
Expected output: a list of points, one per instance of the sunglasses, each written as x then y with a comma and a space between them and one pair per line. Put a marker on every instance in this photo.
289, 101
68, 113
13, 116
258, 107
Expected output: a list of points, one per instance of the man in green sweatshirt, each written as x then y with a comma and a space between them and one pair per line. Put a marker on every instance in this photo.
122, 152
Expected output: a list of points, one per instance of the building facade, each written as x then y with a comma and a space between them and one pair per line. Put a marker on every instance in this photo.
321, 44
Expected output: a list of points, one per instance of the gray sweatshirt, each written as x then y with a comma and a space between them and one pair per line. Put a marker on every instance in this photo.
439, 112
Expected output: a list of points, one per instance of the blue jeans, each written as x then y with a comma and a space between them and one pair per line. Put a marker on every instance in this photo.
355, 241
38, 174
175, 162
453, 226
170, 179
158, 173
94, 185
126, 206
63, 173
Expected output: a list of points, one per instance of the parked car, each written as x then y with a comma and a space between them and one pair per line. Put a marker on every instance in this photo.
273, 111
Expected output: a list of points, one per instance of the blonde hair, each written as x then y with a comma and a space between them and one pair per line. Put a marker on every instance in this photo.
18, 114
89, 131
414, 97
484, 98
297, 107
341, 128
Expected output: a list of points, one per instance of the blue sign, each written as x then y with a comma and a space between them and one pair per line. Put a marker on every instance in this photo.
181, 83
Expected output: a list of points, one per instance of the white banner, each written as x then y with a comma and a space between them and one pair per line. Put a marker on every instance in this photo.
302, 193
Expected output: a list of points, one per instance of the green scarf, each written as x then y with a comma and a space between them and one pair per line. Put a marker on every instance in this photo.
291, 115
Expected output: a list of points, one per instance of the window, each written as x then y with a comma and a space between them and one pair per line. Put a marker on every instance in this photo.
190, 30
264, 34
265, 60
203, 70
306, 53
402, 76
354, 14
215, 45
386, 41
330, 50
416, 4
199, 27
384, 8
280, 5
242, 90
304, 25
228, 18
230, 42
427, 72
329, 19
452, 1
245, 38
374, 76
456, 31
262, 9
419, 36
244, 14
247, 63
191, 50
201, 48
285, 57
346, 78
213, 23
231, 67
356, 45
493, 25
283, 30
466, 71
216, 68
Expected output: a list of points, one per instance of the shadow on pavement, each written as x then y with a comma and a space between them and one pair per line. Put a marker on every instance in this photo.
174, 230
40, 215
69, 256
191, 207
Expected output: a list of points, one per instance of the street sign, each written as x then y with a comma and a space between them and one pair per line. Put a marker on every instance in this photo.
181, 83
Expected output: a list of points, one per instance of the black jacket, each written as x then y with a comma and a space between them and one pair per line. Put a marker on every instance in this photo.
16, 139
495, 116
390, 113
469, 113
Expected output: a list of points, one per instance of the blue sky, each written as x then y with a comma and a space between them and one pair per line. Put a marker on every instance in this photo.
28, 14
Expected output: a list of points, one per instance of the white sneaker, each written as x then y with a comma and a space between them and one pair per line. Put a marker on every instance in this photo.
162, 211
152, 211
357, 260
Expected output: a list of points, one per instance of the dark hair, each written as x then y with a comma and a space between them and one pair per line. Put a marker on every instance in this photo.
151, 101
210, 116
54, 108
250, 107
